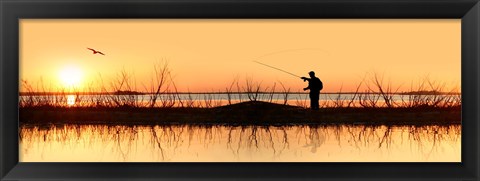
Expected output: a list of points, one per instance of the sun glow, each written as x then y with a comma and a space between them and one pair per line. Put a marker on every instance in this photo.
70, 76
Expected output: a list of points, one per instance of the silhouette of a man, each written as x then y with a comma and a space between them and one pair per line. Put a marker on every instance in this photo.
315, 86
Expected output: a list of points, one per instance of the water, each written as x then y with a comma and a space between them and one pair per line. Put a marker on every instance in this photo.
182, 143
220, 99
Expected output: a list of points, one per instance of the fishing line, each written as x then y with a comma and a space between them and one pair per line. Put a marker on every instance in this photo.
283, 51
292, 50
276, 68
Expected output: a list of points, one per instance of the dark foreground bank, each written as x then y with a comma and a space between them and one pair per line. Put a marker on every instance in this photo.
246, 113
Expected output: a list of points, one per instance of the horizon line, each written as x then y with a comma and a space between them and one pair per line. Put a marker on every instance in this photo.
223, 92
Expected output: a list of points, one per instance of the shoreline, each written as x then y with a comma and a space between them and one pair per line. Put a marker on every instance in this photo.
246, 113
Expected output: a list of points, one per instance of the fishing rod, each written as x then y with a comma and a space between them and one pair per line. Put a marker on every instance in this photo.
276, 68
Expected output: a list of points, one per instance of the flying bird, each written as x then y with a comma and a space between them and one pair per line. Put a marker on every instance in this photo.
95, 51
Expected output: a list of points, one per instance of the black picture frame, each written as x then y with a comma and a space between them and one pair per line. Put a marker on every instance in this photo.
13, 10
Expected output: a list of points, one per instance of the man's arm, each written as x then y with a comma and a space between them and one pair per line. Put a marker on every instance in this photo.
306, 79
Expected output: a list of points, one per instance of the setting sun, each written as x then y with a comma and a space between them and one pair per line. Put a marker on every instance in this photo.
70, 76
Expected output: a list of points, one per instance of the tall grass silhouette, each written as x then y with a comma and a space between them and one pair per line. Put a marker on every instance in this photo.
162, 92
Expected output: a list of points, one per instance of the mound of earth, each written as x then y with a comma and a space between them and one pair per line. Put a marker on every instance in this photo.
245, 113
257, 105
258, 112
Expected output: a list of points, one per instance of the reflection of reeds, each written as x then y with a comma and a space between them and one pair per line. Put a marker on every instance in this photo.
165, 140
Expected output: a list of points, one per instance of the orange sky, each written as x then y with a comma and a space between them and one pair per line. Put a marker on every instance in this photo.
207, 55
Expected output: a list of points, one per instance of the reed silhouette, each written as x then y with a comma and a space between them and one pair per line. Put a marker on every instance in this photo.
122, 100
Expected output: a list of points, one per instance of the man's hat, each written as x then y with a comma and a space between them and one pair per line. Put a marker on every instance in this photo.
311, 72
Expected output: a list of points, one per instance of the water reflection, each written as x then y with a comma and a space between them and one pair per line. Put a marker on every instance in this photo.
325, 143
71, 100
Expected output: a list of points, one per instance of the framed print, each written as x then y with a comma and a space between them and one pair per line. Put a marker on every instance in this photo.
199, 106
345, 90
